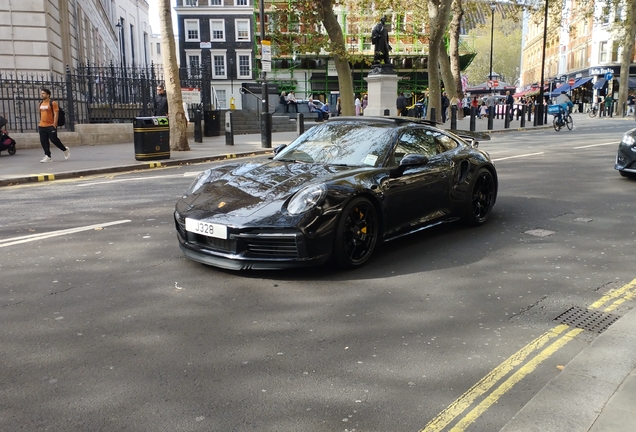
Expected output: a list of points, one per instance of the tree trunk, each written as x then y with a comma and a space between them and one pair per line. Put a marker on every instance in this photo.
178, 123
455, 67
628, 50
438, 12
339, 52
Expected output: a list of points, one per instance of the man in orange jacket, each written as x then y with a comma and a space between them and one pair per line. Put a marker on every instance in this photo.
49, 114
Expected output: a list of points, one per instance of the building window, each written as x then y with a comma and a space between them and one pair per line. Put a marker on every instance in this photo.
221, 97
242, 30
193, 59
190, 2
216, 3
158, 48
217, 30
192, 30
241, 3
602, 52
219, 69
244, 65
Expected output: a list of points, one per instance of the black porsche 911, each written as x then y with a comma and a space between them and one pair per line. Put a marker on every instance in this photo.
626, 156
334, 193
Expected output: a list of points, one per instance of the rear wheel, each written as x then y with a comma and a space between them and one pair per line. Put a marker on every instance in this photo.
482, 198
357, 234
568, 122
592, 112
556, 123
11, 150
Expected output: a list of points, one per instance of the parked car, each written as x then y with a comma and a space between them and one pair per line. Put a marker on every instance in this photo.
336, 192
626, 156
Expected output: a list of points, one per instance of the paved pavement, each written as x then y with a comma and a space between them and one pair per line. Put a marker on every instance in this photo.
595, 392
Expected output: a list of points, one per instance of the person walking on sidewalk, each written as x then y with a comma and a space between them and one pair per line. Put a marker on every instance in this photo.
161, 102
49, 115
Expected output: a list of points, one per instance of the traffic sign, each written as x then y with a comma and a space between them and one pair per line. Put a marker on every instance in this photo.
496, 83
490, 83
571, 81
609, 76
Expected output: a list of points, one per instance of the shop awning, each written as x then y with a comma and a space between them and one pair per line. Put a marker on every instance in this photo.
562, 88
581, 81
600, 82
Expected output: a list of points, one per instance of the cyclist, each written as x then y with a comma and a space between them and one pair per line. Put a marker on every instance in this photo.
564, 102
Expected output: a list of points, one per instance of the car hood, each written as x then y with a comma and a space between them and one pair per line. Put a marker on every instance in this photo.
243, 189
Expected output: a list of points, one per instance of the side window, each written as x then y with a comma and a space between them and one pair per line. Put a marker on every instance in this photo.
416, 141
443, 143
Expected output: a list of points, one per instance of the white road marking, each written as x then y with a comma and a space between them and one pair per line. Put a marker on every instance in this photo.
596, 145
518, 156
33, 237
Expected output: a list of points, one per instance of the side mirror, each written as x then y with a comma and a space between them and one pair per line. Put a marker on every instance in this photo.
279, 148
413, 160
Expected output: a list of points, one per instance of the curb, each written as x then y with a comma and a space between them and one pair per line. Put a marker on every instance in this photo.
36, 178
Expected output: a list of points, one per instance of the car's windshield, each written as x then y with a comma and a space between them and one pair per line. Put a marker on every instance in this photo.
342, 143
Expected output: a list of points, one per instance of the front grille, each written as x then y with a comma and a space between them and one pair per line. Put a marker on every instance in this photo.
270, 246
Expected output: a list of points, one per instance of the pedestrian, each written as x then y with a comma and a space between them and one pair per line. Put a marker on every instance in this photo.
475, 104
400, 104
358, 105
609, 101
490, 103
445, 105
510, 101
338, 107
483, 110
282, 99
325, 110
365, 102
49, 116
291, 100
313, 108
161, 102
630, 104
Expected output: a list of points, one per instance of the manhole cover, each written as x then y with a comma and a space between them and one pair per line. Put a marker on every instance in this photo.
586, 319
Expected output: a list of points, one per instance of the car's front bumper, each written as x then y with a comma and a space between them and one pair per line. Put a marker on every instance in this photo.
256, 249
626, 158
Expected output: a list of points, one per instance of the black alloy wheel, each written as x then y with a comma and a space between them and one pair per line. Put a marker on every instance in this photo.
357, 234
482, 198
569, 122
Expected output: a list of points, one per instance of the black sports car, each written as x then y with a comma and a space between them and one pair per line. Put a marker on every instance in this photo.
335, 192
626, 156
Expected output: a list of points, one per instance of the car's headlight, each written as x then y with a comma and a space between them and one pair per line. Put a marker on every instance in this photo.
629, 140
307, 198
201, 179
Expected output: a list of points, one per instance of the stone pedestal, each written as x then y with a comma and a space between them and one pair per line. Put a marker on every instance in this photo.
382, 89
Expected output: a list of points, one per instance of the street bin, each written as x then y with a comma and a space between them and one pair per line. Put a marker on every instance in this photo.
152, 138
211, 123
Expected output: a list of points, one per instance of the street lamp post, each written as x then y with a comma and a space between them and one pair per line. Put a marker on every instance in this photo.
539, 110
266, 117
122, 53
492, 34
231, 72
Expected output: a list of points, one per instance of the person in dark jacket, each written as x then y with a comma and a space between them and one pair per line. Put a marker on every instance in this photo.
161, 102
445, 105
400, 104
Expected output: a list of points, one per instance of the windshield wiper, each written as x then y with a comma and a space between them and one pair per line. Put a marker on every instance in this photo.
291, 160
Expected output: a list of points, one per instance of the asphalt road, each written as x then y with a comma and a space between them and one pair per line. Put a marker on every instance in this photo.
109, 328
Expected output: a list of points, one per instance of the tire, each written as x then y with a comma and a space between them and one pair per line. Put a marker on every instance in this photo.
627, 174
593, 112
555, 123
11, 150
568, 122
482, 198
357, 234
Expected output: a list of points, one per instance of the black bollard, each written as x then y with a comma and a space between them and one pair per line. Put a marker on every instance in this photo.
229, 129
529, 107
473, 115
433, 114
523, 116
507, 118
491, 116
300, 124
453, 117
198, 131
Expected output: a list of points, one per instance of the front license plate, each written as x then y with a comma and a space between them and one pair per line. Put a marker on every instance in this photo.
206, 229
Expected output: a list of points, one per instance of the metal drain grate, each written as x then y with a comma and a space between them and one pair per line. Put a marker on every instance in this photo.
586, 319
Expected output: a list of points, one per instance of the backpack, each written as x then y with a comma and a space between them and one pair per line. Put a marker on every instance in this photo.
61, 115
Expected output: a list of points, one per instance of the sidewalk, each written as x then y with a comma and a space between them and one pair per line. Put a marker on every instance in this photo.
594, 393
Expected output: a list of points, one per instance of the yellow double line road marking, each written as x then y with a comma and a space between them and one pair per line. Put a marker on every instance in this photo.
557, 339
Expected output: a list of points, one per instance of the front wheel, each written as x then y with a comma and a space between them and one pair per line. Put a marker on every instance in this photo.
568, 122
11, 150
357, 234
483, 192
593, 112
556, 123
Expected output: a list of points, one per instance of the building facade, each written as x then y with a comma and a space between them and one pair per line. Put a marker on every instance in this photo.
46, 36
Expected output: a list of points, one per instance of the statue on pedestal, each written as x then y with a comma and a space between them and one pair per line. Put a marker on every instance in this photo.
380, 39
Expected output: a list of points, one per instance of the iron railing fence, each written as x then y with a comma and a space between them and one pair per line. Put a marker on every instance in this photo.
92, 94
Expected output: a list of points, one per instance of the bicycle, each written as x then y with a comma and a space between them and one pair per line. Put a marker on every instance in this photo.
561, 117
592, 111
